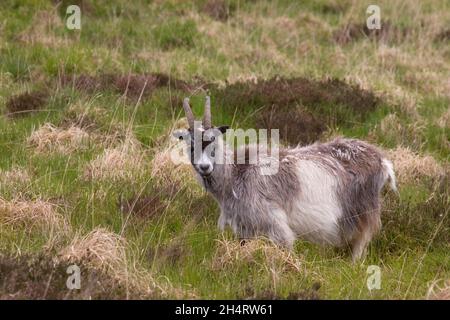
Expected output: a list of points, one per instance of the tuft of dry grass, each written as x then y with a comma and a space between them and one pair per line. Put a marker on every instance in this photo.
267, 255
106, 251
439, 292
49, 138
100, 249
124, 162
84, 115
411, 168
14, 179
444, 120
33, 213
391, 127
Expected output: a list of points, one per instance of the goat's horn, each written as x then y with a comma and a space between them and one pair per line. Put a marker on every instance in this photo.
188, 111
207, 114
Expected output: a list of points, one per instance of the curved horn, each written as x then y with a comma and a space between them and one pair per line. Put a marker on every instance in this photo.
207, 114
188, 112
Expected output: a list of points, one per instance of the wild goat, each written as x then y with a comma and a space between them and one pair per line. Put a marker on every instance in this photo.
327, 193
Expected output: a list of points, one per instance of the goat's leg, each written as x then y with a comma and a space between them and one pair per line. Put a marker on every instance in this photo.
363, 237
221, 223
280, 231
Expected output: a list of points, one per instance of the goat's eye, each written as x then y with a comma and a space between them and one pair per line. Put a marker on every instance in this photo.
212, 138
213, 153
180, 138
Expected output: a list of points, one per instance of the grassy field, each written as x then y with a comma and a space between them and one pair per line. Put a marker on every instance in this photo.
86, 117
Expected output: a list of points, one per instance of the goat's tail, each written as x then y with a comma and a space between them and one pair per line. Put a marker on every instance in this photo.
388, 170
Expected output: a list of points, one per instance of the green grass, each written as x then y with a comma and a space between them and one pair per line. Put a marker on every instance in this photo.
264, 39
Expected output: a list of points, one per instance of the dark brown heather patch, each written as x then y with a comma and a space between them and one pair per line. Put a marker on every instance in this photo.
353, 32
145, 206
307, 294
218, 9
148, 205
296, 125
26, 103
171, 253
129, 85
310, 93
80, 82
301, 108
40, 277
443, 36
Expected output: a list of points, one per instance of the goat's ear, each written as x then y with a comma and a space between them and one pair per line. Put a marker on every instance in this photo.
223, 129
181, 134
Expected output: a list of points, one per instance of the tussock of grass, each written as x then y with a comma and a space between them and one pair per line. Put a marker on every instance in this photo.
32, 214
15, 179
412, 168
103, 250
85, 116
393, 129
263, 253
100, 248
124, 162
444, 120
49, 138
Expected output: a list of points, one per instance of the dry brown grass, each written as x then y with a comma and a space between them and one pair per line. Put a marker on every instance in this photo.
393, 128
412, 168
124, 162
100, 248
439, 292
30, 214
15, 179
42, 30
86, 115
106, 251
444, 120
49, 138
258, 251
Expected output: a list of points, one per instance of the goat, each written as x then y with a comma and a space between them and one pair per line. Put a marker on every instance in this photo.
327, 193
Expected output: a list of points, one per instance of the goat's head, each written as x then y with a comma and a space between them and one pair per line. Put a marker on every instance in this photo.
201, 139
